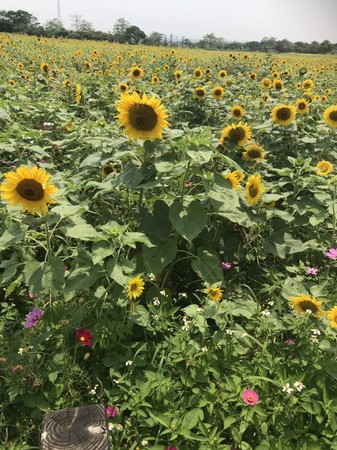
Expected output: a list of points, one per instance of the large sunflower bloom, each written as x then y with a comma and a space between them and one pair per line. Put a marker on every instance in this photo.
330, 116
143, 118
254, 189
237, 112
28, 188
306, 303
199, 93
283, 114
332, 316
324, 168
308, 84
238, 134
135, 287
218, 92
265, 83
302, 106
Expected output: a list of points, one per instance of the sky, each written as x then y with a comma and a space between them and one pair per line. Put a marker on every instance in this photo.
233, 20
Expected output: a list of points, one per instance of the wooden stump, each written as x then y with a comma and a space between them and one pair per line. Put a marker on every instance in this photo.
82, 428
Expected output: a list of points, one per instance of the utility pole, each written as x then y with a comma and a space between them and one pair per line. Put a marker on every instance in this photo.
59, 19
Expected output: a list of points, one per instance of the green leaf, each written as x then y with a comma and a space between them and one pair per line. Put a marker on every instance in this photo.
282, 244
82, 230
116, 273
101, 250
81, 278
192, 418
140, 316
13, 235
228, 421
157, 223
207, 266
189, 221
132, 238
159, 256
33, 273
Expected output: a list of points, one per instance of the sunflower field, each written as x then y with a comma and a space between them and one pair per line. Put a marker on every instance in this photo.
168, 244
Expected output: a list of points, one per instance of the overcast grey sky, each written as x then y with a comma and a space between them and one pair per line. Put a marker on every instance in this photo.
240, 20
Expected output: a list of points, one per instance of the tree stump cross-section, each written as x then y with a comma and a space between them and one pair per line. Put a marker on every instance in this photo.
82, 428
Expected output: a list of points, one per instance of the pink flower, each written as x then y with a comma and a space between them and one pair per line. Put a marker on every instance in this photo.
31, 295
171, 447
332, 253
250, 397
111, 411
290, 342
311, 271
226, 265
33, 318
84, 337
16, 369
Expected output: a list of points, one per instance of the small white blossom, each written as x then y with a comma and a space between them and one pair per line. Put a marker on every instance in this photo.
156, 301
314, 339
287, 389
298, 386
152, 276
144, 442
183, 294
129, 363
229, 332
271, 303
243, 335
204, 349
155, 317
316, 332
308, 311
200, 310
265, 313
163, 293
22, 350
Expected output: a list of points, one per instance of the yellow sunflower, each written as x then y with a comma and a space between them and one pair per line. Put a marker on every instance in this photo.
302, 106
308, 84
199, 93
218, 92
28, 188
237, 112
252, 76
214, 293
283, 114
197, 73
265, 83
330, 116
253, 152
277, 85
306, 303
238, 134
235, 179
143, 118
107, 169
332, 316
123, 87
178, 75
154, 79
44, 67
254, 189
135, 287
324, 168
137, 72
222, 74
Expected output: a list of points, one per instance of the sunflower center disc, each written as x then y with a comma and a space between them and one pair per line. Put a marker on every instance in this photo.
333, 116
253, 190
133, 287
301, 106
236, 134
254, 153
143, 117
237, 113
308, 305
30, 189
283, 114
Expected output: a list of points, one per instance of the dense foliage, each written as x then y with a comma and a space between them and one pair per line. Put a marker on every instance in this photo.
185, 280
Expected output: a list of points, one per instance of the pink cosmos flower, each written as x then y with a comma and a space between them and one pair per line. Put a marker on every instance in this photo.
111, 411
171, 447
226, 265
31, 295
311, 271
84, 337
33, 318
250, 397
332, 253
290, 342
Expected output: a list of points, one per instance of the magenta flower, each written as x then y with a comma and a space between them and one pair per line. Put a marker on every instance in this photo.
311, 271
171, 447
250, 397
33, 318
111, 411
332, 253
226, 265
290, 342
84, 337
31, 295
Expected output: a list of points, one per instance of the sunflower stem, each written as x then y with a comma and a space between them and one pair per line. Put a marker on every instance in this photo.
182, 195
49, 249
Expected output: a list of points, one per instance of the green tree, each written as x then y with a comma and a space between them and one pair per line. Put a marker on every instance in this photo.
22, 21
119, 28
133, 35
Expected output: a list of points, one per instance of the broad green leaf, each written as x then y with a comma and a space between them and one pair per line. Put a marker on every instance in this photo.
159, 256
192, 418
11, 236
188, 220
82, 230
207, 266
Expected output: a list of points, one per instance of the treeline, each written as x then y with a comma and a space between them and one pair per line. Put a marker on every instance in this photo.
123, 32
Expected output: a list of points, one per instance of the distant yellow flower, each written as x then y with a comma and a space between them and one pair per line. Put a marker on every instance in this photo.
142, 117
254, 189
214, 293
28, 187
137, 72
222, 74
253, 152
197, 73
218, 92
306, 303
123, 87
302, 106
277, 85
332, 316
199, 93
44, 67
78, 95
178, 75
283, 114
238, 134
330, 116
237, 112
135, 287
265, 83
324, 168
308, 84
